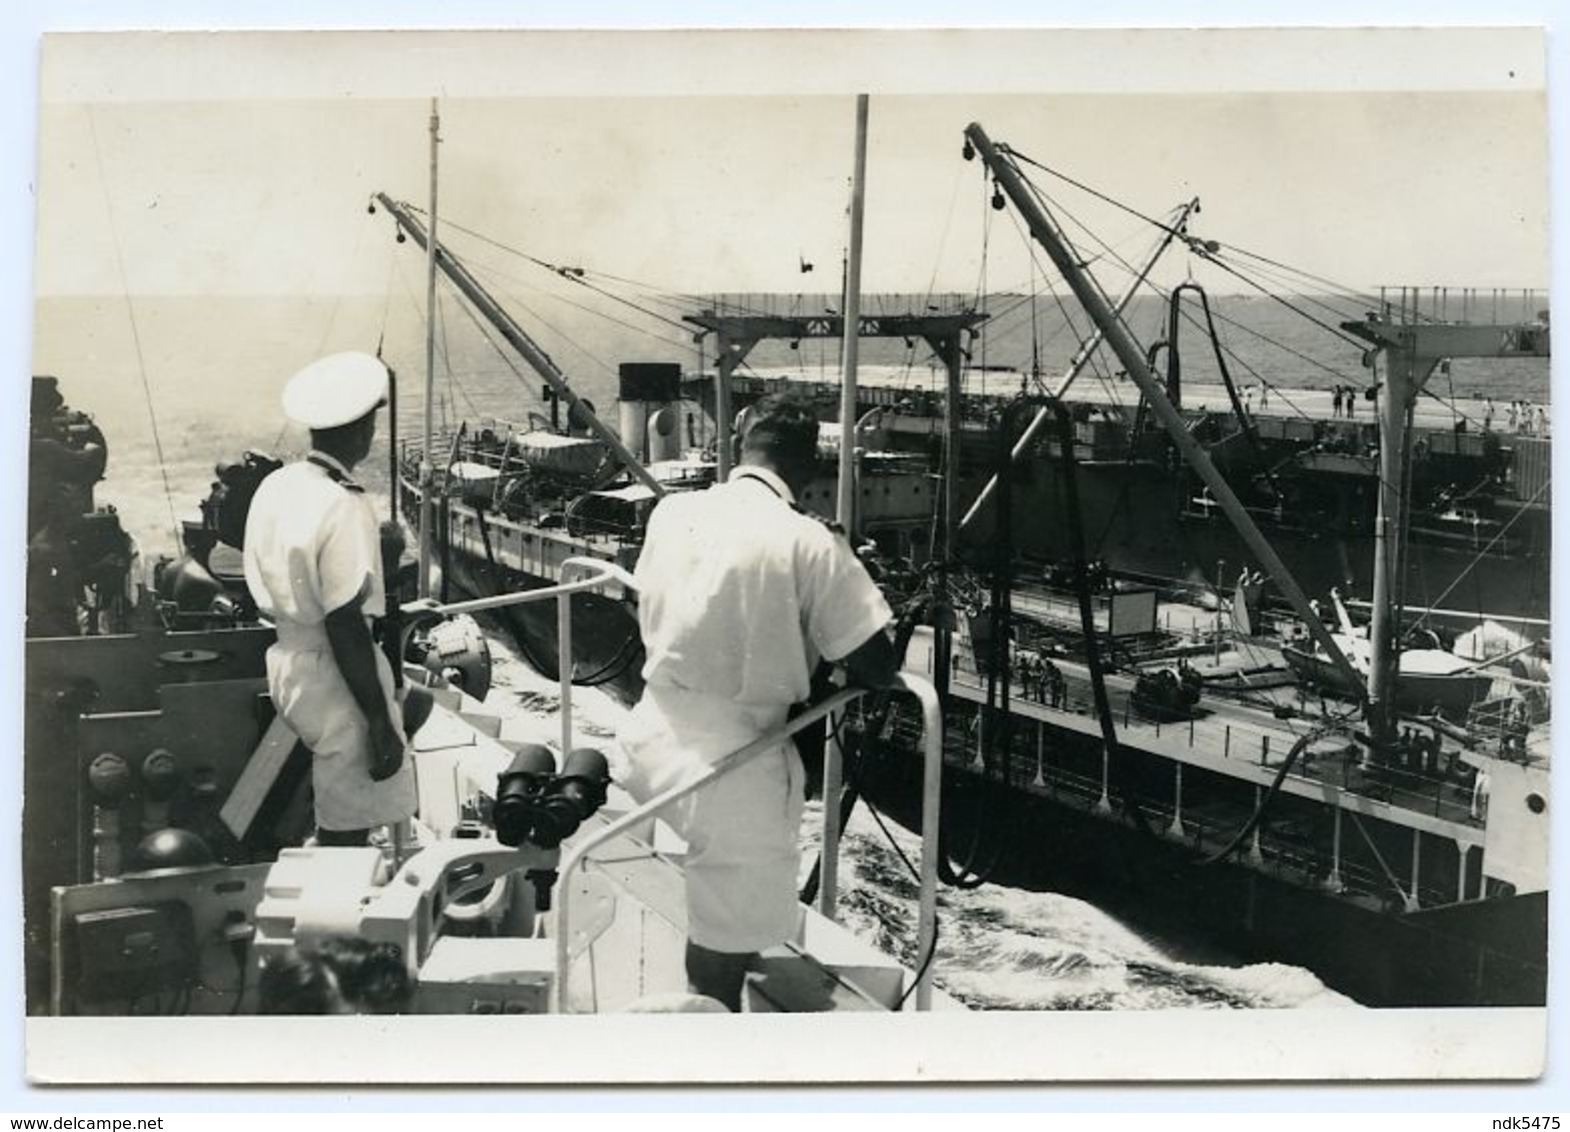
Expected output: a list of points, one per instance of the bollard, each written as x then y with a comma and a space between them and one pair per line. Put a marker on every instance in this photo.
1264, 750
1226, 743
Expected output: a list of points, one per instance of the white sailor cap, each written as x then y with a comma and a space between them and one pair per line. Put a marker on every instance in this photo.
335, 390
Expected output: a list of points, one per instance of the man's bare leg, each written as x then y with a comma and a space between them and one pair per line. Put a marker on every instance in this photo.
718, 974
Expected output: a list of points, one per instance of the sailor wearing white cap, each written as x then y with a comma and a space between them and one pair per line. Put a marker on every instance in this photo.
313, 565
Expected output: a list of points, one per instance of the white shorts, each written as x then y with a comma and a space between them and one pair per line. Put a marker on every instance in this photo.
309, 692
742, 831
744, 855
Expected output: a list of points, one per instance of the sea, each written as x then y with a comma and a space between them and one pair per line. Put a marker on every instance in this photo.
179, 384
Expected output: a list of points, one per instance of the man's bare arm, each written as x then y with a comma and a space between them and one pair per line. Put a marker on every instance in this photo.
873, 663
354, 651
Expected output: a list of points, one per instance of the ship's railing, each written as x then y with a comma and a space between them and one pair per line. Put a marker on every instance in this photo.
1415, 790
489, 444
1042, 609
932, 731
1409, 304
1358, 872
599, 573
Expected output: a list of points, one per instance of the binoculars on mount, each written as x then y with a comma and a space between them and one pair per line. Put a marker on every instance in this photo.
537, 804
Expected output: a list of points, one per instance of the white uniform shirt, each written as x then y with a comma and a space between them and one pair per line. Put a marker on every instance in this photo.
740, 594
311, 547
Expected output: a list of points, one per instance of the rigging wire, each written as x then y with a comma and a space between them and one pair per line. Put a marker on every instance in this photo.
576, 275
1050, 207
1198, 247
1063, 309
497, 275
948, 224
387, 290
1214, 257
986, 245
1478, 558
332, 314
1053, 208
505, 355
678, 302
136, 333
1068, 322
416, 301
538, 320
1364, 298
1452, 403
1103, 197
454, 385
1106, 250
1342, 305
1192, 319
630, 649
1339, 374
664, 340
1095, 362
1275, 298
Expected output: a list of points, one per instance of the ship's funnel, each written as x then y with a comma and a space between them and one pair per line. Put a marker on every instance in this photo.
647, 391
663, 434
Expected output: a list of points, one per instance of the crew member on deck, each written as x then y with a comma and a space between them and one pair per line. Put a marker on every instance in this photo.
313, 563
741, 594
54, 579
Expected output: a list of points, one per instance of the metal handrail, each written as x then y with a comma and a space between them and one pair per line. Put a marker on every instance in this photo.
932, 777
604, 571
601, 572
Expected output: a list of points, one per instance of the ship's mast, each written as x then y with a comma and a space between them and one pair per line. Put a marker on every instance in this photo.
427, 471
1132, 358
1411, 351
845, 504
845, 500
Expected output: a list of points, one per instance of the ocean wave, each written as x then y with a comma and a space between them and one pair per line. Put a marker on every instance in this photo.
1009, 949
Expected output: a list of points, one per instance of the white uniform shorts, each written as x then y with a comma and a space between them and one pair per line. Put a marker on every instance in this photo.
742, 831
310, 693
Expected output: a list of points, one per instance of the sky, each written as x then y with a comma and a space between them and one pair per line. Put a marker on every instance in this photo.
159, 168
718, 162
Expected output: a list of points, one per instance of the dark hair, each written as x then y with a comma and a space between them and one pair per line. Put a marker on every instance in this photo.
784, 430
297, 982
372, 976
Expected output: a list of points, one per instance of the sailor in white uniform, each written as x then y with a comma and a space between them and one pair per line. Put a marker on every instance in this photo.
740, 594
313, 565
